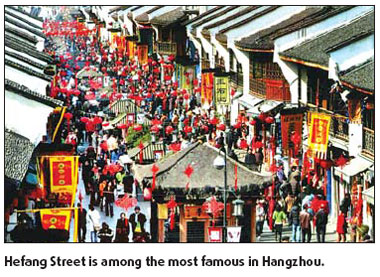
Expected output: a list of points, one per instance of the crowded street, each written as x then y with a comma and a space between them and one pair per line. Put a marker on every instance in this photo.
134, 124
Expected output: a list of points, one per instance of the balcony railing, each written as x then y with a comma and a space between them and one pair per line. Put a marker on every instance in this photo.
167, 48
339, 128
368, 141
205, 64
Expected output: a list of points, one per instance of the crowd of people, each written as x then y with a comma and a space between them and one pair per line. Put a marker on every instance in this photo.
177, 117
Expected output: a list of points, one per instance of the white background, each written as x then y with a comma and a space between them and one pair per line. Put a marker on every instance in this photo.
339, 259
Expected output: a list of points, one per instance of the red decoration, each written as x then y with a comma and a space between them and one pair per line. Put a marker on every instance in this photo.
126, 202
155, 169
147, 194
259, 144
214, 207
187, 129
122, 126
262, 116
84, 119
252, 122
237, 125
221, 127
175, 147
171, 206
205, 128
106, 124
243, 144
169, 130
269, 120
137, 128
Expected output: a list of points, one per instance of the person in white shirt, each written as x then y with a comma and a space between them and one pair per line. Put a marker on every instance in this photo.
93, 217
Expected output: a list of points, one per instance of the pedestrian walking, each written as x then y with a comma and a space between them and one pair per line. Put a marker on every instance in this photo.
94, 219
137, 220
321, 222
279, 218
109, 199
341, 227
105, 233
122, 229
305, 222
294, 221
82, 222
260, 218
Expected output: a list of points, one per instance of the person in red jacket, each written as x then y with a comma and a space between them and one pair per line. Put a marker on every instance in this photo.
341, 227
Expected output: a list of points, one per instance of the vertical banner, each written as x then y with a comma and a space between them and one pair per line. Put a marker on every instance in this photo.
290, 123
222, 90
55, 219
131, 49
62, 174
233, 234
354, 111
207, 87
215, 234
319, 133
142, 54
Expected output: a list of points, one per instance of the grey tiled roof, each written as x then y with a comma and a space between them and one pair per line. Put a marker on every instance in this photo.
315, 50
28, 70
216, 15
26, 92
18, 151
11, 14
9, 29
24, 59
361, 76
264, 38
24, 26
26, 13
176, 15
23, 47
202, 15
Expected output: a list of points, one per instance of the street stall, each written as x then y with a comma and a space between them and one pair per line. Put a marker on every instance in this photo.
191, 197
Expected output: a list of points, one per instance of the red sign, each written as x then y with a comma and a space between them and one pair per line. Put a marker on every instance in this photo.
215, 234
55, 219
290, 123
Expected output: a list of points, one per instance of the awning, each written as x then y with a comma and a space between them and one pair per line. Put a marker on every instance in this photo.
369, 195
353, 168
264, 107
248, 101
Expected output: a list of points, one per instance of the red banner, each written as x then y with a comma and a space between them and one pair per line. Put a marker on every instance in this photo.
62, 173
207, 87
215, 234
290, 123
55, 219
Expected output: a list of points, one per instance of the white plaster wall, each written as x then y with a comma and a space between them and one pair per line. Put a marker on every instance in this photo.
26, 117
354, 53
32, 82
222, 52
294, 38
243, 58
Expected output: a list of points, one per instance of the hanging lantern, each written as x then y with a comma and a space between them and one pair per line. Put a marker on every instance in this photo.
205, 128
238, 205
137, 128
169, 130
186, 96
259, 144
147, 194
252, 122
105, 124
237, 125
187, 129
269, 120
221, 127
155, 129
122, 126
326, 164
262, 116
84, 119
243, 144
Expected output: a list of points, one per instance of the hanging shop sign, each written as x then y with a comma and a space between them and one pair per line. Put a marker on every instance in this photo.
140, 118
131, 49
215, 234
63, 173
55, 219
142, 53
207, 87
195, 212
354, 111
290, 123
319, 133
222, 96
162, 211
233, 234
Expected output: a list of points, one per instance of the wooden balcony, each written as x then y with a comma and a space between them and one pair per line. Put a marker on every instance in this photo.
339, 128
166, 48
368, 142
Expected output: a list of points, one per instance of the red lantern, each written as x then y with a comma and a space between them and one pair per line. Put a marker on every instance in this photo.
122, 126
106, 124
326, 164
68, 116
137, 128
252, 122
221, 127
187, 129
147, 194
262, 116
186, 96
259, 144
155, 129
84, 119
269, 120
205, 128
169, 130
237, 125
243, 144
97, 120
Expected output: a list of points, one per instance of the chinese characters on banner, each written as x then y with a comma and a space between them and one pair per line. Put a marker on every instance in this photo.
130, 49
55, 219
221, 90
290, 123
142, 54
233, 233
207, 87
319, 133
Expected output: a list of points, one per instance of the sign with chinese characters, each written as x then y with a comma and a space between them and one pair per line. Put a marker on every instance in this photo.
233, 234
290, 123
221, 90
55, 219
319, 132
62, 173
